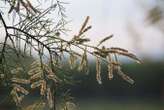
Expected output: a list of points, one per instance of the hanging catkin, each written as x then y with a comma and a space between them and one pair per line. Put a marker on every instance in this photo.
98, 70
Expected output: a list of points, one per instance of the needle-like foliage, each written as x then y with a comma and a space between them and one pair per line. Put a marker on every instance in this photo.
36, 34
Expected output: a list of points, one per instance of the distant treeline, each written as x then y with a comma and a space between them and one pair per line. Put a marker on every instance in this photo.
149, 83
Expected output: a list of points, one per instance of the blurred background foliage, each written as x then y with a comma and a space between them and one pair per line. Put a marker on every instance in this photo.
148, 91
146, 94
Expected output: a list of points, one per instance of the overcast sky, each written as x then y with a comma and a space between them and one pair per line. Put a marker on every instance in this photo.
123, 18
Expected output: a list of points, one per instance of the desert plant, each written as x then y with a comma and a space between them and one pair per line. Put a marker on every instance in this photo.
34, 31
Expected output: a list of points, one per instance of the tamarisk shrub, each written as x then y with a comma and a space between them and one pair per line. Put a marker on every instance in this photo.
33, 31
